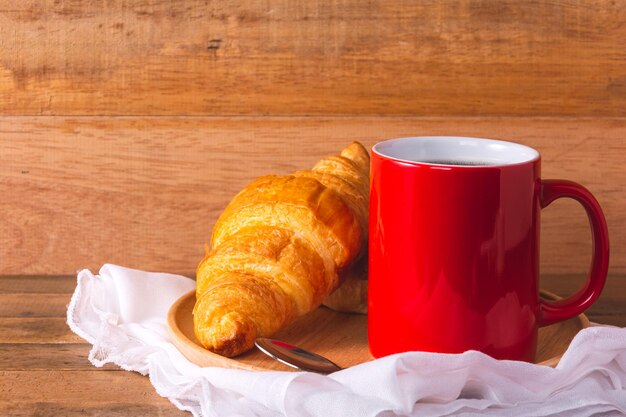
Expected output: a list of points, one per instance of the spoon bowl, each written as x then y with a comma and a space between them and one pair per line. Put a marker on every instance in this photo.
296, 357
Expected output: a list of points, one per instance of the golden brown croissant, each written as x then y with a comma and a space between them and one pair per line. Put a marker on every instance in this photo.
278, 250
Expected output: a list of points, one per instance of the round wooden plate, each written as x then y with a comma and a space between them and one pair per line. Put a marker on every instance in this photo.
340, 337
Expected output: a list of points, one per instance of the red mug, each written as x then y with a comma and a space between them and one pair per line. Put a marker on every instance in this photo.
454, 247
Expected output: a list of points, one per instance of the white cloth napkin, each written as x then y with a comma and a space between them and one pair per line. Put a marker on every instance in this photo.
122, 312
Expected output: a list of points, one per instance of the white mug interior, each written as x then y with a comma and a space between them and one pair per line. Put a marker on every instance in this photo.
455, 150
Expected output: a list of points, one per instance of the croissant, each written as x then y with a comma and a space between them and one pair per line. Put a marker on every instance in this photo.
281, 246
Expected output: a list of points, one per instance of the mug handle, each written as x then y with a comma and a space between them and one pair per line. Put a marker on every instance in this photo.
554, 311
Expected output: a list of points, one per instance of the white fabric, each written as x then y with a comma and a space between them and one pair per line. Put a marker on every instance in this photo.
122, 313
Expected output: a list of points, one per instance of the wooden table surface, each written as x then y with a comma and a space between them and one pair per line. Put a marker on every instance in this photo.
44, 368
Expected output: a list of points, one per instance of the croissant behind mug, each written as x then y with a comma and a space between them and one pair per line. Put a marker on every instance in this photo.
279, 249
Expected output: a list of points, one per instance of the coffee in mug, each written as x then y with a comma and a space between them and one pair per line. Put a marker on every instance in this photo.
467, 162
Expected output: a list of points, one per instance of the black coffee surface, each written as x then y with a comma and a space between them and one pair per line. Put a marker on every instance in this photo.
458, 162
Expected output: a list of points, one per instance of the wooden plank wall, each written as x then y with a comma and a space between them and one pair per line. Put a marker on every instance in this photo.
125, 127
349, 57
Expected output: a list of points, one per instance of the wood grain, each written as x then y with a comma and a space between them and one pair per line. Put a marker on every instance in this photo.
33, 305
34, 284
42, 356
144, 192
36, 330
464, 57
108, 407
79, 393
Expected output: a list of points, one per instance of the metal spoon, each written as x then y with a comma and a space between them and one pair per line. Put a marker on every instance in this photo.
295, 356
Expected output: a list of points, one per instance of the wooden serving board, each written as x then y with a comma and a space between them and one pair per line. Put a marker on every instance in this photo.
340, 337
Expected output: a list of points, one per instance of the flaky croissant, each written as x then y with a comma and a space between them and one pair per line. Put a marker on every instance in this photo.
279, 249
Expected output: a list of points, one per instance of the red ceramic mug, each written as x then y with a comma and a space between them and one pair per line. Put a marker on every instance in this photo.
454, 247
